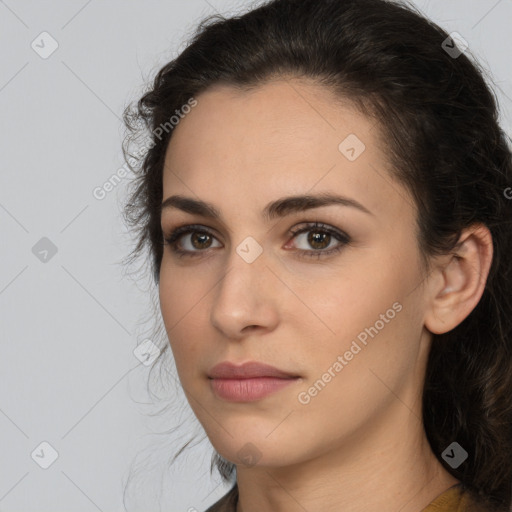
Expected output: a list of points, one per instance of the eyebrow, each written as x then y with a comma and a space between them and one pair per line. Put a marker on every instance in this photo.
278, 208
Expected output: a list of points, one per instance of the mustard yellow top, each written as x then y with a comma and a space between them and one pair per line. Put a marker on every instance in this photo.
451, 500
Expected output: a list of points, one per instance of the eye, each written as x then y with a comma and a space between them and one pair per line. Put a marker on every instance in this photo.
320, 237
200, 239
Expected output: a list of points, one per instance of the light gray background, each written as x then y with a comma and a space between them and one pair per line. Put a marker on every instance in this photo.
68, 327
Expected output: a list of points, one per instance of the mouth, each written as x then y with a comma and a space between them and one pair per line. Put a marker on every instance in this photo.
248, 382
248, 390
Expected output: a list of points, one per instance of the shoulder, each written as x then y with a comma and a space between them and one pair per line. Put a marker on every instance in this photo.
227, 503
460, 499
454, 499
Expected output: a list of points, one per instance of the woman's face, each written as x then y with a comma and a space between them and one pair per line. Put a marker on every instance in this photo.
347, 323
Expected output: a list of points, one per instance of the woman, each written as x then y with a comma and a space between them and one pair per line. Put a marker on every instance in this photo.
324, 199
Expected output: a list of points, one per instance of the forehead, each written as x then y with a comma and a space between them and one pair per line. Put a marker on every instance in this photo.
285, 119
281, 138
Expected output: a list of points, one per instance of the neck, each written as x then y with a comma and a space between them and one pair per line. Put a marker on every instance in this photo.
371, 472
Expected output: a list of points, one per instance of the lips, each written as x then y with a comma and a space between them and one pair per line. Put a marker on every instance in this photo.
248, 382
250, 370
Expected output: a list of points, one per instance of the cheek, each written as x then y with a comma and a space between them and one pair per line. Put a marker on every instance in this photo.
350, 301
181, 292
370, 306
180, 307
377, 359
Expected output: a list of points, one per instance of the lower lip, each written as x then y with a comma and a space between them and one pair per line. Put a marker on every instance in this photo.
248, 390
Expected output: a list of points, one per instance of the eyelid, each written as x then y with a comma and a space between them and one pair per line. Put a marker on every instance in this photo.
320, 226
181, 230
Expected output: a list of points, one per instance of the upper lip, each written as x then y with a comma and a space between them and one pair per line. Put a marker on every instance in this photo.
252, 369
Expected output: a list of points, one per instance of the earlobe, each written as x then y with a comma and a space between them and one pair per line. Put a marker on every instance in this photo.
461, 278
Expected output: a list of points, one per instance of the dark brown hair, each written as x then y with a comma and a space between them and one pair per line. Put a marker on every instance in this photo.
440, 128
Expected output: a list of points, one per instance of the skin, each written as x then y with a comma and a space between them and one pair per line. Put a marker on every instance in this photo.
359, 444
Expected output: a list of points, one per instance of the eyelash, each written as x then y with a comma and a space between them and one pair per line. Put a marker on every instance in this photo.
342, 237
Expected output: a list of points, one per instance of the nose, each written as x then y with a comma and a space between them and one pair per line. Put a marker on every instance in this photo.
245, 299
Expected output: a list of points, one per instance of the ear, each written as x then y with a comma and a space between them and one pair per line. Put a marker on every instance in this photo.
458, 280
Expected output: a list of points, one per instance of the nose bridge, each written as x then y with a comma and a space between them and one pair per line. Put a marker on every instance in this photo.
240, 282
241, 298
